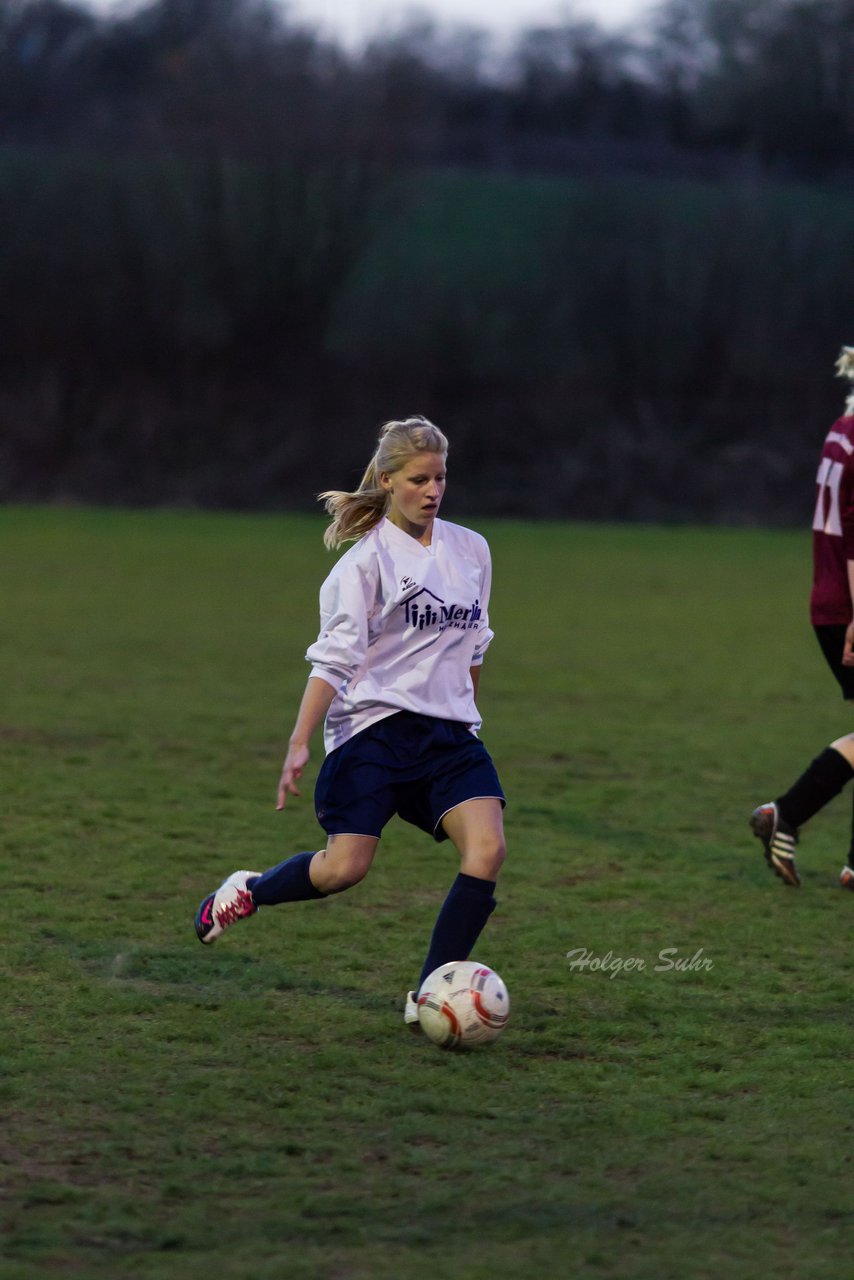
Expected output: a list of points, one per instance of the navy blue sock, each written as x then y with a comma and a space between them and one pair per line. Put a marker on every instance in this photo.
288, 882
458, 926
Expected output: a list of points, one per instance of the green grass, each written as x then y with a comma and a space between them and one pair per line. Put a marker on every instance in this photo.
256, 1109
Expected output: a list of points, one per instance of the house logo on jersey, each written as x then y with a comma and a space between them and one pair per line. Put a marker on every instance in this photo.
425, 611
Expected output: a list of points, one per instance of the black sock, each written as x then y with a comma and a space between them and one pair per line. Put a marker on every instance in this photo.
458, 926
816, 786
288, 882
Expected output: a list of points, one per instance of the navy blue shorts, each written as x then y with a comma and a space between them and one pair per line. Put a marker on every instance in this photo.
406, 764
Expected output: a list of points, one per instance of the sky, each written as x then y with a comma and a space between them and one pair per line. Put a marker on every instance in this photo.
352, 21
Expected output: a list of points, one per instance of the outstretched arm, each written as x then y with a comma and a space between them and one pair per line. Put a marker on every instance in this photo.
316, 701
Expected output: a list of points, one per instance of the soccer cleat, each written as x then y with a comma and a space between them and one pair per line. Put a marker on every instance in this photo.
778, 840
231, 901
410, 1011
846, 877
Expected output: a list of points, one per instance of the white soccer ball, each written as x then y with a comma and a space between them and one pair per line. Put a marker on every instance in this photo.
463, 1004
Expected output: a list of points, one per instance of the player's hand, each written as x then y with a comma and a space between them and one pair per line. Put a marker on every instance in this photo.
295, 762
848, 648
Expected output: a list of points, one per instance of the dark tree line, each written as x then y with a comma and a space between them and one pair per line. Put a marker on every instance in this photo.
726, 82
617, 267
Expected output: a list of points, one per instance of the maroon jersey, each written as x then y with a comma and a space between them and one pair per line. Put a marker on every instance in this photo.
833, 527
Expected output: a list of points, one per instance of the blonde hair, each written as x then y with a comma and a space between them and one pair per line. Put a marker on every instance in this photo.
845, 369
355, 514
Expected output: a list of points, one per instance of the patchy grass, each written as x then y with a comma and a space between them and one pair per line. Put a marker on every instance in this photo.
256, 1108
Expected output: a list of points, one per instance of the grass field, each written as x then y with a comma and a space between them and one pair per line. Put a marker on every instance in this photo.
256, 1109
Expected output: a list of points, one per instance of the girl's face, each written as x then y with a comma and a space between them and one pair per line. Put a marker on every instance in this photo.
416, 491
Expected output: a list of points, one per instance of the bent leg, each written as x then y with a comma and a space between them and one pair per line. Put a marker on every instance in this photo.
845, 747
477, 829
344, 862
823, 779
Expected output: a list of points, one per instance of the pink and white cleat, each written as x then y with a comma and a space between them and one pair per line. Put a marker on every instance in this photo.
231, 901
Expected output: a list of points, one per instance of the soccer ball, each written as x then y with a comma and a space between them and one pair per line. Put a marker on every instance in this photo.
463, 1004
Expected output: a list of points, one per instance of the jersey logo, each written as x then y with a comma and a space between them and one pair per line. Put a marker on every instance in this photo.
425, 610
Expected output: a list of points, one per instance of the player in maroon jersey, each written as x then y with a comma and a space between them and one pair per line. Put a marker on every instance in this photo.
776, 824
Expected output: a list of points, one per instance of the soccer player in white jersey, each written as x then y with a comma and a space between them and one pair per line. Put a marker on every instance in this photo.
777, 823
394, 673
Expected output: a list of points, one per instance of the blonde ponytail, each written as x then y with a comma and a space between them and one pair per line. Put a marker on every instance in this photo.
355, 514
845, 369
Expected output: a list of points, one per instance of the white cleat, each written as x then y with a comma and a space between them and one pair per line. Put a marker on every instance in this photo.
410, 1011
232, 901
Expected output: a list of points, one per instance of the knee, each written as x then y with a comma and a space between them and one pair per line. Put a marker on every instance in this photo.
486, 860
334, 875
845, 747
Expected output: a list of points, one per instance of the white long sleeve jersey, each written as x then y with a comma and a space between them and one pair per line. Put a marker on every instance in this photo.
401, 625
